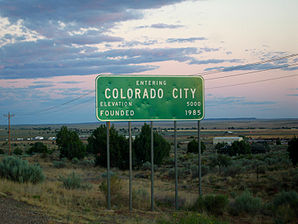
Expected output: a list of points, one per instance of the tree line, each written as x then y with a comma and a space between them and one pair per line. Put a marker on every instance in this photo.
71, 146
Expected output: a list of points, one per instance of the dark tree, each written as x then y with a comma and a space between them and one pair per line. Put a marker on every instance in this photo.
260, 148
238, 148
70, 145
193, 146
142, 147
293, 150
38, 147
220, 161
97, 144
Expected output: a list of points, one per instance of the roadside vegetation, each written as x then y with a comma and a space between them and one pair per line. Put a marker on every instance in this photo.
254, 183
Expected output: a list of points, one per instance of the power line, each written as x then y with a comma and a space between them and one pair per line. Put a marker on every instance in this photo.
219, 70
252, 72
59, 105
72, 106
258, 81
247, 65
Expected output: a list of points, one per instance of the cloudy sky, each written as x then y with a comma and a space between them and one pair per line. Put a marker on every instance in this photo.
52, 51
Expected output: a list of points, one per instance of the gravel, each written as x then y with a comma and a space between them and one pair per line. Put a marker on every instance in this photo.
16, 212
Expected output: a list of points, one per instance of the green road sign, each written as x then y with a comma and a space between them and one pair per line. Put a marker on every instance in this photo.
142, 98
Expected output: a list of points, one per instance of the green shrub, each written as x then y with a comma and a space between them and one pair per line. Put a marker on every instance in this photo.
146, 166
232, 170
167, 200
18, 170
285, 207
195, 172
193, 147
198, 206
38, 147
238, 148
220, 161
140, 198
215, 204
59, 164
18, 151
245, 203
115, 189
97, 144
87, 162
182, 172
70, 145
259, 148
1, 151
142, 147
164, 200
73, 181
189, 218
75, 160
105, 174
293, 150
212, 204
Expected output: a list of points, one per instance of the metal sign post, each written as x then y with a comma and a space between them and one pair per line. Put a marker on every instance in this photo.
152, 169
176, 168
108, 166
199, 160
130, 167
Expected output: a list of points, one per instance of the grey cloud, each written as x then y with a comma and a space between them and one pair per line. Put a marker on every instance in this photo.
165, 26
87, 39
161, 26
183, 40
136, 43
58, 63
213, 61
207, 49
217, 101
40, 86
69, 82
84, 13
42, 82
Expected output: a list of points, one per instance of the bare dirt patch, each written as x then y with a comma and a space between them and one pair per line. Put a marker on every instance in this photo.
15, 212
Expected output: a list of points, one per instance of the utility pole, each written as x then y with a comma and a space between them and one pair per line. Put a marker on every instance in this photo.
9, 115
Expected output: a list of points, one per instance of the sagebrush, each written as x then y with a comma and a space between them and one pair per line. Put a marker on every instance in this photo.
16, 169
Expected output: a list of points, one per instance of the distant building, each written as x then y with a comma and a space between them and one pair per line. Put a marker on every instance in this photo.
39, 138
20, 139
52, 138
228, 140
132, 137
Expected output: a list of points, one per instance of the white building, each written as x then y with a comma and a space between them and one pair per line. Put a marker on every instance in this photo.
39, 138
228, 140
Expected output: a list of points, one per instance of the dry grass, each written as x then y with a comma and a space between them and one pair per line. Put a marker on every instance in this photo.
89, 206
86, 206
57, 201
